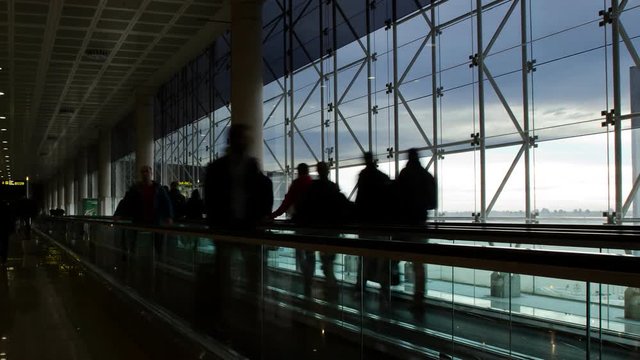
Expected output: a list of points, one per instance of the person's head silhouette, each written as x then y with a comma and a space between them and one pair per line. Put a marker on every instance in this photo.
414, 158
146, 174
368, 159
303, 169
323, 170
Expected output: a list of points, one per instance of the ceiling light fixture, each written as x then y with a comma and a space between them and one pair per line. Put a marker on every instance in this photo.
3, 129
99, 55
1, 93
5, 142
3, 118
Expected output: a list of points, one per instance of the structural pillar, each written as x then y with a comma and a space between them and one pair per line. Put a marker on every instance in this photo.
104, 175
60, 185
635, 134
144, 131
83, 188
69, 179
246, 70
49, 198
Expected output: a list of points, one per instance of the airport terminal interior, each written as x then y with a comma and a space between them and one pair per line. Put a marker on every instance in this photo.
471, 188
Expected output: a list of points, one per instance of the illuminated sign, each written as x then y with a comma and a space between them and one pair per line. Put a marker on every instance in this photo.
12, 183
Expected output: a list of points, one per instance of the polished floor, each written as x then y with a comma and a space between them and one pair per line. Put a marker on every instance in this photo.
52, 308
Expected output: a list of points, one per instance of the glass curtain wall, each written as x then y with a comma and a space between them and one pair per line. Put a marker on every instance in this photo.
521, 109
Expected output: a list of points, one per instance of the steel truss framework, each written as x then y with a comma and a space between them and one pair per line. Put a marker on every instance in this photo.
335, 107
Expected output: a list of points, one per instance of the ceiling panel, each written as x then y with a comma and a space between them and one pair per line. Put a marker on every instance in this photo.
63, 59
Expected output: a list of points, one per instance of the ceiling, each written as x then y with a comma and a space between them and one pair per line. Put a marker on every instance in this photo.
71, 68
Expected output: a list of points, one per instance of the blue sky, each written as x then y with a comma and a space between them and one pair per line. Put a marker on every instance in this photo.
569, 92
571, 85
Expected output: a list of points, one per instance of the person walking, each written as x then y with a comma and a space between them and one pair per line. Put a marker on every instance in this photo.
416, 190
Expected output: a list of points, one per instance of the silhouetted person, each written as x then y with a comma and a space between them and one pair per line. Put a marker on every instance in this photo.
146, 202
297, 191
7, 226
323, 204
194, 206
178, 201
416, 193
373, 207
237, 197
27, 210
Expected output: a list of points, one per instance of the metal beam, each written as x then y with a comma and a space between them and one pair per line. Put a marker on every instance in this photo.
304, 103
500, 27
273, 110
304, 49
632, 194
506, 178
525, 107
274, 156
483, 157
304, 140
351, 28
503, 100
323, 85
629, 43
288, 128
353, 135
617, 104
353, 80
415, 120
369, 78
336, 127
434, 102
396, 103
415, 57
353, 191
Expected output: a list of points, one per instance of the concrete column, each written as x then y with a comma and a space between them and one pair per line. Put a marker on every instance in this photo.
83, 187
47, 198
60, 185
505, 285
54, 193
246, 70
635, 134
144, 131
69, 179
50, 196
104, 175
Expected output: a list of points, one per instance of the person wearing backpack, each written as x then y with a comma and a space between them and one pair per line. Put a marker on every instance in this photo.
417, 193
372, 207
322, 205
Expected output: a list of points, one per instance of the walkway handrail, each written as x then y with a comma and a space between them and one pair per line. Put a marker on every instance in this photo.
603, 268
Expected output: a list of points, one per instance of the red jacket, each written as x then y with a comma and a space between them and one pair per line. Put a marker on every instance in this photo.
296, 191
